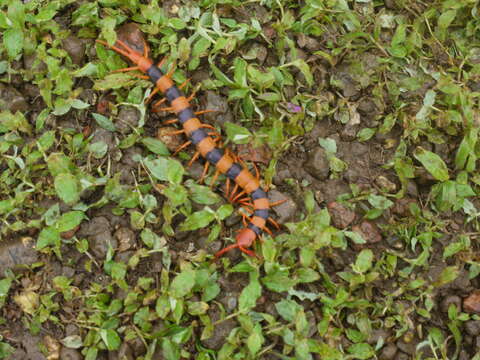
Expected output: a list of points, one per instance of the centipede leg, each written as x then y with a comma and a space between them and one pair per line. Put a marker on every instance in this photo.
166, 109
172, 70
155, 107
275, 203
205, 112
181, 147
194, 157
131, 68
240, 194
215, 177
248, 252
268, 231
274, 223
204, 172
244, 220
168, 122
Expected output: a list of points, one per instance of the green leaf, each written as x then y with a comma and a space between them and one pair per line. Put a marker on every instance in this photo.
366, 134
104, 122
67, 188
69, 220
305, 70
255, 340
250, 294
364, 261
170, 350
156, 146
183, 283
58, 163
278, 281
237, 134
287, 309
361, 351
47, 12
446, 18
197, 220
166, 169
137, 220
110, 338
203, 194
98, 149
89, 69
114, 81
197, 308
306, 275
46, 140
48, 237
91, 354
177, 194
13, 42
5, 350
152, 240
433, 163
108, 29
447, 275
72, 341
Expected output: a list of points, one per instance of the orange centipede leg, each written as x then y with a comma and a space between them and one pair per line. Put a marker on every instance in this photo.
150, 97
181, 147
274, 223
166, 109
155, 107
248, 252
275, 203
205, 112
246, 202
168, 122
240, 194
194, 157
192, 95
204, 173
268, 231
132, 68
172, 70
215, 177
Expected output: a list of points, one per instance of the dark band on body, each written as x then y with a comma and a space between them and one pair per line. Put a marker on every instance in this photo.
214, 156
173, 93
255, 229
154, 73
197, 136
258, 194
263, 213
234, 170
185, 115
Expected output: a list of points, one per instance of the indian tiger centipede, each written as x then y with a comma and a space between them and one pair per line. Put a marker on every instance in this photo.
225, 163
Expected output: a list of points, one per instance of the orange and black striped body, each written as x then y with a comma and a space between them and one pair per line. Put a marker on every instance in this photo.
206, 147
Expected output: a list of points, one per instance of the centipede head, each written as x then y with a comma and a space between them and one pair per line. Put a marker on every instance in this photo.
245, 238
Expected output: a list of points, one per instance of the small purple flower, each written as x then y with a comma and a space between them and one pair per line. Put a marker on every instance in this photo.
294, 108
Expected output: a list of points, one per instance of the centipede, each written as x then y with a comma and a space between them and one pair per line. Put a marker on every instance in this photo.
247, 189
